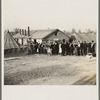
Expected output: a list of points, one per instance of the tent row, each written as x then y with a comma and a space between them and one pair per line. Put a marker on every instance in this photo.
84, 37
49, 35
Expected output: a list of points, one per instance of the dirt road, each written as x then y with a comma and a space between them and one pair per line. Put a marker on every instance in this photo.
49, 70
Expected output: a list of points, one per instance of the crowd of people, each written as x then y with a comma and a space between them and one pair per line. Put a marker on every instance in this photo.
64, 48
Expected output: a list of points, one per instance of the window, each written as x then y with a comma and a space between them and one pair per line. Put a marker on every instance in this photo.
55, 33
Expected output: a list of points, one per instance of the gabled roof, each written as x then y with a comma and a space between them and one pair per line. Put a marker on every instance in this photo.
40, 34
69, 34
77, 37
9, 42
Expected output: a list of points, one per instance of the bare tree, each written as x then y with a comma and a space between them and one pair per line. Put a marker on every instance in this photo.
73, 30
16, 30
6, 31
90, 31
79, 31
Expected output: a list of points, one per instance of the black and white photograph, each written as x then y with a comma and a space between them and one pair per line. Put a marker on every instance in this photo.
50, 42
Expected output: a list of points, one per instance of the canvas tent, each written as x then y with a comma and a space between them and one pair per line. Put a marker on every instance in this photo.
92, 36
9, 42
83, 37
76, 37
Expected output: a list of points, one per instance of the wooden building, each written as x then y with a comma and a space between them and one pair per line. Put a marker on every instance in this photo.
46, 36
49, 35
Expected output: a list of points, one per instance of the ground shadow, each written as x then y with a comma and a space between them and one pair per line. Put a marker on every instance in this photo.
86, 81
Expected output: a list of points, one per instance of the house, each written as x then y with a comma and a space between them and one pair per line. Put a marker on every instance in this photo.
21, 39
48, 35
44, 35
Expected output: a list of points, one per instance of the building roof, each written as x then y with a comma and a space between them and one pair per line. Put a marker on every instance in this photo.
40, 34
9, 42
69, 34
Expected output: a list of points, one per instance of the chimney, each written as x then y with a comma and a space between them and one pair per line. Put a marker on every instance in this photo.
20, 31
28, 31
25, 33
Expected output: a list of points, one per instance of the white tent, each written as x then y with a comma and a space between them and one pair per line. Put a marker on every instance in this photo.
9, 42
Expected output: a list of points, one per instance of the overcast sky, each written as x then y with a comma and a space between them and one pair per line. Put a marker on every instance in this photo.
43, 14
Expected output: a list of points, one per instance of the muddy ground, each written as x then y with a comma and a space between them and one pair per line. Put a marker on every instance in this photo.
49, 70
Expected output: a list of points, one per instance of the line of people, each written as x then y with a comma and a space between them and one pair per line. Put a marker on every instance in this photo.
63, 48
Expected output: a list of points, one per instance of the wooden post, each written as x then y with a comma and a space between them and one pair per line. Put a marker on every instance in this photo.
28, 31
25, 33
22, 41
20, 31
17, 40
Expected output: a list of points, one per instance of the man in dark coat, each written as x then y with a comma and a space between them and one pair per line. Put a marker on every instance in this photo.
89, 47
36, 46
39, 46
92, 47
53, 48
57, 48
81, 48
67, 48
85, 48
71, 48
63, 46
32, 48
